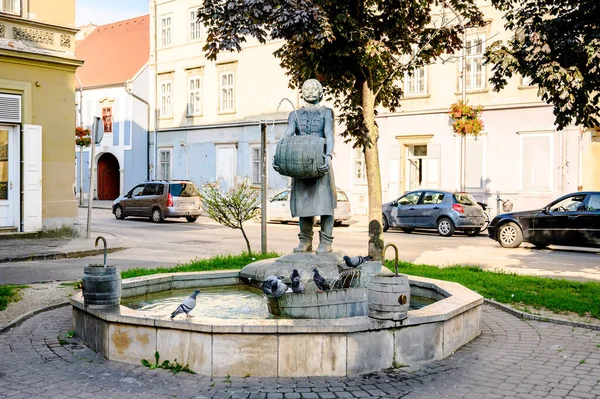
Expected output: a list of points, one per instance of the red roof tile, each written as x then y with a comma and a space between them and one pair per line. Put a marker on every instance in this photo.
114, 53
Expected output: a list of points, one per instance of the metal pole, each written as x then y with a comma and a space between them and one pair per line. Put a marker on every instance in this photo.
81, 175
90, 195
463, 138
263, 188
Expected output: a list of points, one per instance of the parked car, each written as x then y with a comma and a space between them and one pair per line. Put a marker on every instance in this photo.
159, 200
443, 211
571, 220
278, 208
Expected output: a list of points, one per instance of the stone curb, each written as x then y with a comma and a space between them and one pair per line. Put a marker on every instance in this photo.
61, 255
22, 318
529, 316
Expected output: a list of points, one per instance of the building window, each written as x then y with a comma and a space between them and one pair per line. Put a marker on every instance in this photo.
194, 95
164, 164
107, 119
415, 82
256, 165
10, 7
474, 68
165, 30
227, 91
536, 161
194, 25
360, 168
166, 109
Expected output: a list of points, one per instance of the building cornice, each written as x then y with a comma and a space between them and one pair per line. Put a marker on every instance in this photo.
43, 60
37, 24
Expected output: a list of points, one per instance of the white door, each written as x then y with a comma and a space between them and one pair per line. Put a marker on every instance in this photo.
9, 176
226, 165
32, 178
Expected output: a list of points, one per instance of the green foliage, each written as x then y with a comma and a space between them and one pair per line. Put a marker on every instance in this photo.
74, 284
347, 46
537, 292
556, 45
70, 334
233, 208
10, 293
219, 262
174, 367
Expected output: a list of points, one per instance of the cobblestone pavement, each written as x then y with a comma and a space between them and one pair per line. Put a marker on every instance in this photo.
512, 358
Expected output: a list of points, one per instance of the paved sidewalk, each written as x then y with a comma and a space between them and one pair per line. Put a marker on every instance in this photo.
512, 358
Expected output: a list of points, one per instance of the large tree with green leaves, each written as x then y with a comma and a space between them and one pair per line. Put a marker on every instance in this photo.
357, 49
555, 43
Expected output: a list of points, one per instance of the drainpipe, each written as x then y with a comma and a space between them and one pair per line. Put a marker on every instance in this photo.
155, 38
132, 94
80, 147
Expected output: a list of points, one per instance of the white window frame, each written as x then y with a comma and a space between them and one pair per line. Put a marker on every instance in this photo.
166, 21
15, 10
414, 79
522, 136
359, 167
194, 27
255, 164
227, 92
161, 172
166, 98
194, 92
473, 60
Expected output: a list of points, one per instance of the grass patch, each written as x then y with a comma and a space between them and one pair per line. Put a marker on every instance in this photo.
74, 284
220, 262
521, 291
10, 293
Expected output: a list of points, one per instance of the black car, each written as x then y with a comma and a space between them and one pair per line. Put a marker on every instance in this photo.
571, 220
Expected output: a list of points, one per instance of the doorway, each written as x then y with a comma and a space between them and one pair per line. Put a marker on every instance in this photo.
9, 176
226, 165
108, 177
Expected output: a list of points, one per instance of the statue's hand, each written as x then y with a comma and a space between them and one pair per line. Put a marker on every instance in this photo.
276, 167
325, 167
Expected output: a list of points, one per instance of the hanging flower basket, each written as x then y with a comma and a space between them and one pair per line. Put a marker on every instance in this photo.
82, 137
466, 119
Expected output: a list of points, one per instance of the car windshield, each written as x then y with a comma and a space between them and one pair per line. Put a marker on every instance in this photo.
341, 196
464, 199
183, 190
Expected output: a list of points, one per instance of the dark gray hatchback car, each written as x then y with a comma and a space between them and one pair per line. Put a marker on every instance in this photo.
159, 200
443, 211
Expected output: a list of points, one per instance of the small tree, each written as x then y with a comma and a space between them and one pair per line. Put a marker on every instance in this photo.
232, 209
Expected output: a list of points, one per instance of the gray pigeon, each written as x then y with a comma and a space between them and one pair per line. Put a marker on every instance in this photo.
186, 306
297, 286
274, 286
356, 261
268, 283
320, 281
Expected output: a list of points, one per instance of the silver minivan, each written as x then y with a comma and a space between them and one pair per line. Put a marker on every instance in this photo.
444, 211
159, 200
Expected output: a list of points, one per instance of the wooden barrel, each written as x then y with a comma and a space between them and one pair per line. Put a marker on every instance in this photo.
101, 285
388, 297
300, 156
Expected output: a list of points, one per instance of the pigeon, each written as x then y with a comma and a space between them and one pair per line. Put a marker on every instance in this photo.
356, 261
274, 286
297, 286
321, 283
186, 306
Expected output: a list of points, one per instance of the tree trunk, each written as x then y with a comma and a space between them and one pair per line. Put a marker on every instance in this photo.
373, 174
246, 238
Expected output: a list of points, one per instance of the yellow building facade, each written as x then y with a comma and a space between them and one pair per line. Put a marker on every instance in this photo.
37, 114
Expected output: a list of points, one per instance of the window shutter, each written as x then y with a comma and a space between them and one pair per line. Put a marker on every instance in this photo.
10, 108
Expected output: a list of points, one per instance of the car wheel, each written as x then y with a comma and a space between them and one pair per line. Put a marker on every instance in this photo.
191, 219
407, 230
540, 245
510, 235
445, 227
385, 223
473, 232
157, 216
119, 214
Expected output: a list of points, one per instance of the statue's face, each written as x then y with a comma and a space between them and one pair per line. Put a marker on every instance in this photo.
311, 93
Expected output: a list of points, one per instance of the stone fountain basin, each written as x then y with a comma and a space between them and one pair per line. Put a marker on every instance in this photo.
279, 347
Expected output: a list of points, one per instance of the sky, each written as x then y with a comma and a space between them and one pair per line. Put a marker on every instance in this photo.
101, 12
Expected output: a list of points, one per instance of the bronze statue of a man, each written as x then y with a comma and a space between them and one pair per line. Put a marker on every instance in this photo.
314, 196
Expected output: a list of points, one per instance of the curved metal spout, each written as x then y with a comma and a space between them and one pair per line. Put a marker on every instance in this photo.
293, 107
396, 254
105, 247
